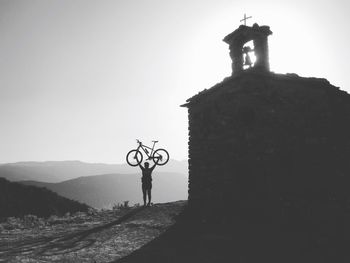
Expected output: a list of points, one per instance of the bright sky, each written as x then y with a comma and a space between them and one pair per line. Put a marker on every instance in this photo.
82, 79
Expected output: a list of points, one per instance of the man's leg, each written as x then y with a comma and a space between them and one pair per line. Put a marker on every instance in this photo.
144, 194
149, 196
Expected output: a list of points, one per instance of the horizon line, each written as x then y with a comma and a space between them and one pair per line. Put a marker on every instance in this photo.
71, 161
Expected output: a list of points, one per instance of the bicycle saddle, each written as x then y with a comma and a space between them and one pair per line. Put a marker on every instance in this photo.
155, 141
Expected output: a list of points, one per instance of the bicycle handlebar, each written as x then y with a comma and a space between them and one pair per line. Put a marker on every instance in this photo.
139, 142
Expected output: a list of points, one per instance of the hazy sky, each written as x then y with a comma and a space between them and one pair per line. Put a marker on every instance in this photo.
81, 80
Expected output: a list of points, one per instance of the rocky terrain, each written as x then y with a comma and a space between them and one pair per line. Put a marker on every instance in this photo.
94, 236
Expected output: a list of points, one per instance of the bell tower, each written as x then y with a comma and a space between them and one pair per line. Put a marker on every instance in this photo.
240, 54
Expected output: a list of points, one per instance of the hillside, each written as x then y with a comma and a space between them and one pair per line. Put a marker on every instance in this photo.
59, 171
105, 190
19, 200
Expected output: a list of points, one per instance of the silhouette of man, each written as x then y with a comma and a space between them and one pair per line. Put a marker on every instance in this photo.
147, 182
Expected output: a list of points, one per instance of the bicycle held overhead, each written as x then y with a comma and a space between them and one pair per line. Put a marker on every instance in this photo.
158, 156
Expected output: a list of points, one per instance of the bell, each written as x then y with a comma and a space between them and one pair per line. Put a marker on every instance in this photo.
247, 60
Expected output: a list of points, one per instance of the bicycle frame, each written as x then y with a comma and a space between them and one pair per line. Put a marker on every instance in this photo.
145, 149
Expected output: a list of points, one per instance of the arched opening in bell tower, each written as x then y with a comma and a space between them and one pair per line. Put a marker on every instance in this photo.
249, 57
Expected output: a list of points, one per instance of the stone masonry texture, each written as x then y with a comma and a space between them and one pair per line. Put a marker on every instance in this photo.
260, 142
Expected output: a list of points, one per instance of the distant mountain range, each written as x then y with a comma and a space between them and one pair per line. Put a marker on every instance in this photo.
54, 172
18, 200
105, 190
100, 185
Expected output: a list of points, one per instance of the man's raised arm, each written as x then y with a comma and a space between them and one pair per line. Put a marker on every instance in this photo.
153, 166
141, 167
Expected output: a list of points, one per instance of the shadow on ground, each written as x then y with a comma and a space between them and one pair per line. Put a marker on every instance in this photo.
243, 241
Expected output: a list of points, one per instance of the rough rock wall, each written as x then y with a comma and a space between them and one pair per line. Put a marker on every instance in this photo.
257, 141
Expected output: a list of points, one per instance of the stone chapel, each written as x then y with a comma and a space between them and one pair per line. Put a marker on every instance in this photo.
261, 142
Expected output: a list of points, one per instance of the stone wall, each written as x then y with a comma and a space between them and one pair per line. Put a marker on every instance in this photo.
259, 141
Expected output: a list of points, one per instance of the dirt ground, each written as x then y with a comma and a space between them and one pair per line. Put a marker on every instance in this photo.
98, 237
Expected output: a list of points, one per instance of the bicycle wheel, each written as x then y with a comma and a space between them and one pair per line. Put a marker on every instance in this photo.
134, 157
160, 157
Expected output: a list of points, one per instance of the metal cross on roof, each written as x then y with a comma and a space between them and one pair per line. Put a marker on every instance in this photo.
245, 19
